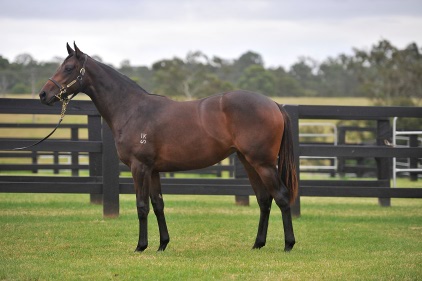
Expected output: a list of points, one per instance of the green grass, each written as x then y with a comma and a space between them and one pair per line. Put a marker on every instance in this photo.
63, 237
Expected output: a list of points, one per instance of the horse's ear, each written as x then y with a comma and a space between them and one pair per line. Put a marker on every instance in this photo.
77, 51
69, 49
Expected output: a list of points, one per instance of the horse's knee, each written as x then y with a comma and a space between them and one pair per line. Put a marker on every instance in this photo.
157, 204
158, 210
143, 209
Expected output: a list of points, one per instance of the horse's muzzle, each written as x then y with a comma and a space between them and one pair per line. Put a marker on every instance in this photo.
43, 98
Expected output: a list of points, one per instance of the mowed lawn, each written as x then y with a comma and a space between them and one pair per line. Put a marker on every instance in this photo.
63, 237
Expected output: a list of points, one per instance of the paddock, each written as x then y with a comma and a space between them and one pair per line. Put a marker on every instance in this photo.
60, 236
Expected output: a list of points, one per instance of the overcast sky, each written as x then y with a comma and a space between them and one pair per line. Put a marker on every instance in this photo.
144, 32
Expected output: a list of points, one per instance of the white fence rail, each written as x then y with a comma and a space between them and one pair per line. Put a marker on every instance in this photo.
333, 134
398, 166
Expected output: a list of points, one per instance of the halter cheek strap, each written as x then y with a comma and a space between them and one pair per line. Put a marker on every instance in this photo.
63, 89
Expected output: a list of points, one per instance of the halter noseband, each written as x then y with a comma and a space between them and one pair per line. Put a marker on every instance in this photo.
63, 89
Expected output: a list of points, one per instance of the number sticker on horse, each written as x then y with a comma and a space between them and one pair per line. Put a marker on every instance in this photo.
143, 139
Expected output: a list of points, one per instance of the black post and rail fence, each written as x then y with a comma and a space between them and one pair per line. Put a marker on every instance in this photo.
104, 181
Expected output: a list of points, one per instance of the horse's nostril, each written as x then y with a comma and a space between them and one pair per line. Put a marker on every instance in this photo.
43, 94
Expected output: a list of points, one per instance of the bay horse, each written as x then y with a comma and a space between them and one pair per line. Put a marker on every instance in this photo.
155, 134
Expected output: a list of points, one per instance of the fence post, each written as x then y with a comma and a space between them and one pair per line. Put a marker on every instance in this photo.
56, 161
341, 140
74, 136
293, 111
95, 158
34, 158
110, 174
384, 164
413, 142
240, 173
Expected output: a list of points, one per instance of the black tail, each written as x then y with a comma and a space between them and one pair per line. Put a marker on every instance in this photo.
286, 159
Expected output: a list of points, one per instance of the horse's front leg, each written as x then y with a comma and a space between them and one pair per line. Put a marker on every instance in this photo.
142, 179
158, 206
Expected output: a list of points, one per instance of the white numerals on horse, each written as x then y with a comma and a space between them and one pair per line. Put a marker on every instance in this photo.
143, 139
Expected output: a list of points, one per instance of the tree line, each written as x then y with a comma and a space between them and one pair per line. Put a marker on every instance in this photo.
384, 73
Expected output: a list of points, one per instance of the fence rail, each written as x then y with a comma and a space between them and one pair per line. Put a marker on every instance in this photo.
105, 184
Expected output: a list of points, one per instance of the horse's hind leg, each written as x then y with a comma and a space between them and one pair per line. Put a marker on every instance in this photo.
288, 228
158, 206
280, 193
264, 200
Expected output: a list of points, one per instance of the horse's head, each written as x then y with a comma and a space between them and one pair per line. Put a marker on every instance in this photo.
68, 78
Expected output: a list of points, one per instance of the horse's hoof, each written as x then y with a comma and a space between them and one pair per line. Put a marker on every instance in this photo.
140, 248
161, 248
289, 246
163, 244
258, 245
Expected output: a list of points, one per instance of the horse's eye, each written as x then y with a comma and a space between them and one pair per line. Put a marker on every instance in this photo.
68, 68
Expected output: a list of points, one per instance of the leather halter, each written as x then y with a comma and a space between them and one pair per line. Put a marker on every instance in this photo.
63, 89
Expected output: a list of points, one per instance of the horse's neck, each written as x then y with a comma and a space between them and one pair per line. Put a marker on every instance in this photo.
113, 95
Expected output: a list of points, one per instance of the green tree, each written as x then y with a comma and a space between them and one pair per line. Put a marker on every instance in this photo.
337, 78
257, 79
168, 77
20, 88
232, 70
28, 74
142, 75
285, 85
192, 78
4, 63
8, 78
212, 84
388, 75
304, 72
248, 59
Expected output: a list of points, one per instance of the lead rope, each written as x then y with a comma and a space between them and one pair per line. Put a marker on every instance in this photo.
65, 102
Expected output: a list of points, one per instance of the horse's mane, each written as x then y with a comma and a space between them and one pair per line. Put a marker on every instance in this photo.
125, 78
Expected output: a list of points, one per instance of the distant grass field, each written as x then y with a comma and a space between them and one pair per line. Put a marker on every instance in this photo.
63, 237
